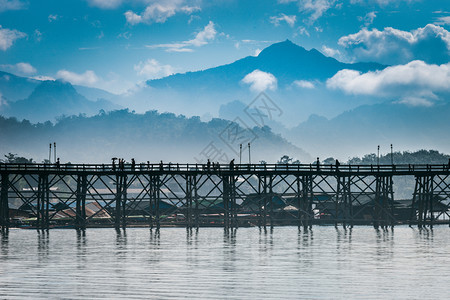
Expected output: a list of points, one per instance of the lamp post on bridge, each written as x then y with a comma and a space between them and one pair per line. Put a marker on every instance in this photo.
378, 155
392, 155
240, 153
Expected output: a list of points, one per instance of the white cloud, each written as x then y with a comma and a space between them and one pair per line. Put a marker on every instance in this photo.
152, 69
52, 18
304, 84
392, 46
88, 78
302, 31
201, 38
316, 8
111, 82
21, 68
416, 101
8, 37
43, 77
290, 20
330, 51
37, 35
260, 81
414, 83
257, 52
11, 5
105, 4
381, 2
208, 33
160, 11
443, 20
368, 18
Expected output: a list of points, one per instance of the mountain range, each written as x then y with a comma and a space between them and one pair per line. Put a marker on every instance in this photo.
287, 61
322, 121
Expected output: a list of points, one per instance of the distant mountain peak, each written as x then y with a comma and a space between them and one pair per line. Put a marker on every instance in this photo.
282, 48
57, 88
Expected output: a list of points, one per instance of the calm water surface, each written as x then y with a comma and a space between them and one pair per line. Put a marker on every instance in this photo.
323, 263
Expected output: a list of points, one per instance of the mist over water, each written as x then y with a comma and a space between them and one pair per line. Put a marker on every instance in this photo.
210, 263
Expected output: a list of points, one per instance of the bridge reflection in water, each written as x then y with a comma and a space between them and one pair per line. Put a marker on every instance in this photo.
46, 196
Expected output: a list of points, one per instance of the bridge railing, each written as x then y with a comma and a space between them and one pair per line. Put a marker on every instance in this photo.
173, 167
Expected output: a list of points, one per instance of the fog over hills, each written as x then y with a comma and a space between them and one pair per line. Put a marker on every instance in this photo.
51, 99
150, 136
320, 105
362, 129
293, 76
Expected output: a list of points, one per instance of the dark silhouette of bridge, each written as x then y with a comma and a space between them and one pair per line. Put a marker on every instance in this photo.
193, 195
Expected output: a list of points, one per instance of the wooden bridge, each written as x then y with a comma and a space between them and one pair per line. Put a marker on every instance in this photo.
68, 195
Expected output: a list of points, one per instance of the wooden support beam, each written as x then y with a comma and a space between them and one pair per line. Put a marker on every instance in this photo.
4, 205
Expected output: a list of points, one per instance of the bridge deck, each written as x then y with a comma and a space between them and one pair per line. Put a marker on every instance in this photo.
396, 170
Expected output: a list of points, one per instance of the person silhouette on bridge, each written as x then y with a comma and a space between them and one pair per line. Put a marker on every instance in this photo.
448, 166
208, 165
337, 165
232, 164
58, 164
113, 163
161, 166
133, 164
318, 164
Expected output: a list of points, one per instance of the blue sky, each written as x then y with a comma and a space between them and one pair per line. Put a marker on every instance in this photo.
115, 44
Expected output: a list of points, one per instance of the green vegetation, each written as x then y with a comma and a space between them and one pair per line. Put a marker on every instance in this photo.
151, 136
405, 157
11, 158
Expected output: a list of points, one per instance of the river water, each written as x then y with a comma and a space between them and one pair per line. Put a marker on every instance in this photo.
248, 263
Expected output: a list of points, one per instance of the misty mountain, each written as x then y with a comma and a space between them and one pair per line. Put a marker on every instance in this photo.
362, 129
150, 136
14, 88
285, 60
298, 85
51, 99
94, 94
203, 93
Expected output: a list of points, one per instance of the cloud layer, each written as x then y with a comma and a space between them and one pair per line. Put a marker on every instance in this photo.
88, 78
160, 11
105, 4
8, 37
21, 68
201, 38
260, 81
152, 69
11, 5
393, 46
415, 83
315, 8
290, 20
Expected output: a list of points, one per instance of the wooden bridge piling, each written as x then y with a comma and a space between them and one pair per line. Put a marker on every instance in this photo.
4, 206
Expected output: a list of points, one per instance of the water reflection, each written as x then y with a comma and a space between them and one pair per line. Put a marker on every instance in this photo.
216, 263
191, 235
155, 237
43, 244
121, 239
4, 241
229, 250
81, 247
